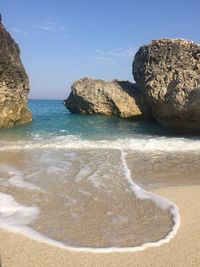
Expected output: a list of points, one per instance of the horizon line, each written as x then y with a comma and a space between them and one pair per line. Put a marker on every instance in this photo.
45, 99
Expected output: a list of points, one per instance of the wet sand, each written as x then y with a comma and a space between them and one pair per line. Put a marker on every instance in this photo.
164, 168
183, 250
85, 200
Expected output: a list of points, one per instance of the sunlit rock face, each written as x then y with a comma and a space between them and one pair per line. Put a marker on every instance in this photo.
121, 98
14, 83
167, 71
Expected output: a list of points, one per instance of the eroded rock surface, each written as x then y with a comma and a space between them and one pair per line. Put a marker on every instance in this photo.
122, 98
167, 71
14, 84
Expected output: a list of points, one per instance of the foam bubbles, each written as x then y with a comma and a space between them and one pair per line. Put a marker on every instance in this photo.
137, 144
14, 177
160, 201
17, 217
13, 214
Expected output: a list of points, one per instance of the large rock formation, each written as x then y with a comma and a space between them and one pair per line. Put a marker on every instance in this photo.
167, 71
14, 84
122, 98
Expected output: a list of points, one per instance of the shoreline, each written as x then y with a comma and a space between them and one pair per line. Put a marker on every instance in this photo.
17, 250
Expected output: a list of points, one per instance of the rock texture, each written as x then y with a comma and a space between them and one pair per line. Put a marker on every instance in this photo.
122, 98
167, 71
14, 84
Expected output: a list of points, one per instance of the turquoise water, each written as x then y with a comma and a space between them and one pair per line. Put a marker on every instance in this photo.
51, 118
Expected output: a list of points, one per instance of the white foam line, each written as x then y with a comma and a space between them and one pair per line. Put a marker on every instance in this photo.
16, 178
158, 200
136, 144
11, 220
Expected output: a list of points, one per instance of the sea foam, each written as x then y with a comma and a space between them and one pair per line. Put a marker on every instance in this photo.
137, 144
17, 217
12, 214
16, 178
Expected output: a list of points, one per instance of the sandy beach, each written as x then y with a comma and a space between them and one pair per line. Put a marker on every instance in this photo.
99, 134
183, 250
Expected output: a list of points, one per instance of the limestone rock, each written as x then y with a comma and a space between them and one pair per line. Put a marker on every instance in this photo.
121, 98
14, 84
168, 73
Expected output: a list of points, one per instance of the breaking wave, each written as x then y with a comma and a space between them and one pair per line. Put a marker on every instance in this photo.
74, 142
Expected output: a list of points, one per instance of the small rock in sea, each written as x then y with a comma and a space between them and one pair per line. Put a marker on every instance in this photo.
121, 98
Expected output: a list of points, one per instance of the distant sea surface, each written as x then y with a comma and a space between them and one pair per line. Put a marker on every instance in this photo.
80, 181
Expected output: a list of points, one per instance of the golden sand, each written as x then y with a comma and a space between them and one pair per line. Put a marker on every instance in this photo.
182, 251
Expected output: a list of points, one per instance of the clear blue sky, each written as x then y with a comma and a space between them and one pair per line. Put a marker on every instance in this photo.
63, 40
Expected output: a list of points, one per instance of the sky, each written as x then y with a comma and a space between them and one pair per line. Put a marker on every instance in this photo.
62, 41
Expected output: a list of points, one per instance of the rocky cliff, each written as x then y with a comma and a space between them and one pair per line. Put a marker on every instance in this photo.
14, 84
167, 71
122, 98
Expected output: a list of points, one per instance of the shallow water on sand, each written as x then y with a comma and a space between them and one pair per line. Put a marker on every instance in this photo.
78, 179
84, 198
156, 169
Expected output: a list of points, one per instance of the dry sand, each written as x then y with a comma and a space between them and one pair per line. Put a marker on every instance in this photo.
182, 251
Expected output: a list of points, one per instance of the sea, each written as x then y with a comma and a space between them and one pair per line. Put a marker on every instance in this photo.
85, 182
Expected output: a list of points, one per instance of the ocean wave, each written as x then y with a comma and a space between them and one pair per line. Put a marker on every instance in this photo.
136, 144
